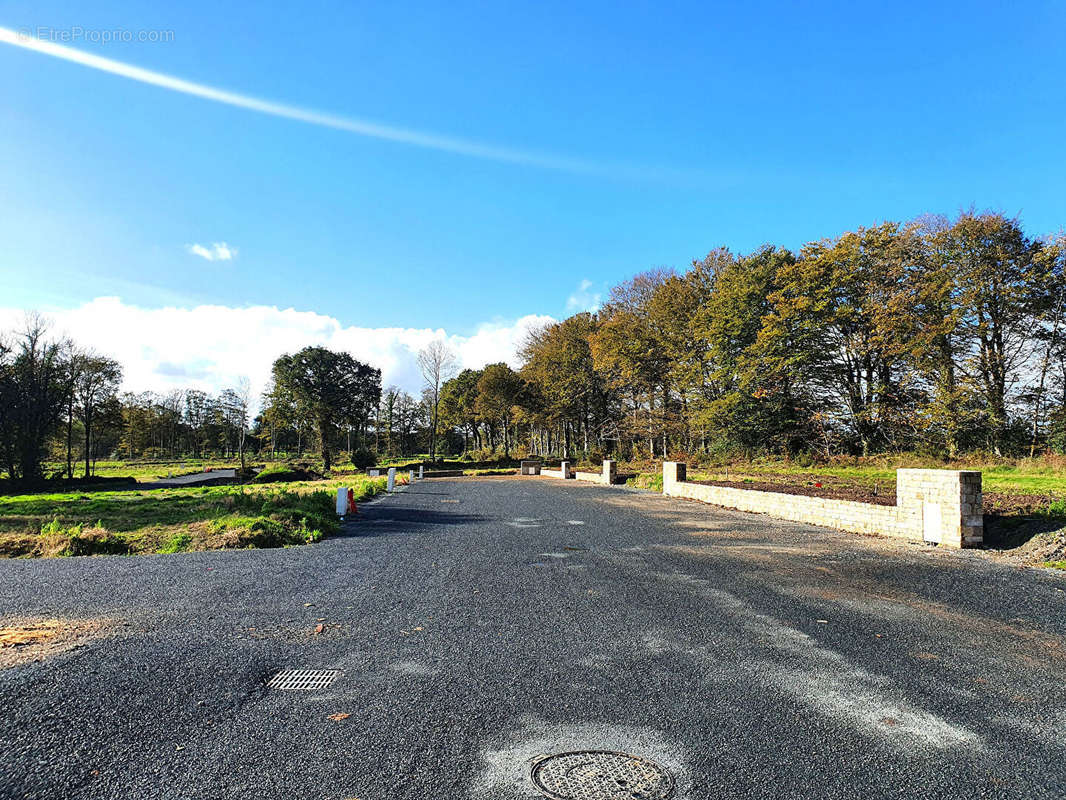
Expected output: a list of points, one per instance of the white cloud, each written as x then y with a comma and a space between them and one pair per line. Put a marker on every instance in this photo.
218, 251
584, 299
210, 347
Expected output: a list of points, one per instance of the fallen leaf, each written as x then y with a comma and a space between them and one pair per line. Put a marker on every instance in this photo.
320, 619
319, 628
308, 605
418, 628
823, 621
339, 717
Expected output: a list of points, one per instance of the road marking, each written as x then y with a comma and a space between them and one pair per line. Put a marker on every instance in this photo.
524, 522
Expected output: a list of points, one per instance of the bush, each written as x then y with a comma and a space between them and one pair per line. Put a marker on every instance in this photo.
363, 458
278, 475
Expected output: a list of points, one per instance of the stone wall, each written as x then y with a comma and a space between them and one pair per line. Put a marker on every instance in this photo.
607, 475
564, 471
934, 505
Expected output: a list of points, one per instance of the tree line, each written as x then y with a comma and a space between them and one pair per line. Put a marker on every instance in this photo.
62, 403
937, 336
51, 389
934, 336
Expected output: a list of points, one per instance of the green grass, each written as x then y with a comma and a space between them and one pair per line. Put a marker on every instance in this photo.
1055, 565
647, 480
173, 520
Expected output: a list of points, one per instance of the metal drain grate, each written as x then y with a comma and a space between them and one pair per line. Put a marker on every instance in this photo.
303, 680
600, 775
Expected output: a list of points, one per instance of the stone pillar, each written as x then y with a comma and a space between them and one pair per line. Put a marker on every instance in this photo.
421, 471
673, 473
610, 470
564, 470
940, 506
392, 479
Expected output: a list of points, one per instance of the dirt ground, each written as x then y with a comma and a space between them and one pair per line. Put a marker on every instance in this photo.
818, 488
24, 640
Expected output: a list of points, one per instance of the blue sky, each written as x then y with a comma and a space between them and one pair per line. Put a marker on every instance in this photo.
703, 125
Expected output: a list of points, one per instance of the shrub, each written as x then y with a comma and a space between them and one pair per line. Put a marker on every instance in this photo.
363, 458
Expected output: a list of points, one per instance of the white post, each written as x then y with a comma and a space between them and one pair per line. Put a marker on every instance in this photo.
610, 471
420, 468
673, 474
392, 478
342, 502
410, 476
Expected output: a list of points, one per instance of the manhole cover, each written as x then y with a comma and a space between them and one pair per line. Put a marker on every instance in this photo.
601, 775
303, 679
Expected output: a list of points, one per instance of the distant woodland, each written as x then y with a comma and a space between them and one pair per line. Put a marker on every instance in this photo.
936, 336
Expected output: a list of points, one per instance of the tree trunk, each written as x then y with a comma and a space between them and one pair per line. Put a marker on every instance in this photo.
88, 434
70, 437
327, 458
433, 433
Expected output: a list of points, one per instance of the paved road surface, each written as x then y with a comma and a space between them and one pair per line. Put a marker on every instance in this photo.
196, 479
479, 623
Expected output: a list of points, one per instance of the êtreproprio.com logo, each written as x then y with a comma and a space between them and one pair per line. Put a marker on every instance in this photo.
77, 33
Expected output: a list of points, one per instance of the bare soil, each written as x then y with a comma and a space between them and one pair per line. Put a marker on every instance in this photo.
820, 488
26, 640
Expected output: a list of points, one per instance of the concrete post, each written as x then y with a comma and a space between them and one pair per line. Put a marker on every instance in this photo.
421, 474
673, 473
342, 502
610, 471
410, 476
392, 478
564, 470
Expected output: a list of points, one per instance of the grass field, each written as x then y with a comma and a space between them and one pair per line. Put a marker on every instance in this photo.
173, 520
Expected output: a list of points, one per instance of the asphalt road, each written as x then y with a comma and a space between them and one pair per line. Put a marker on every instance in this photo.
478, 623
196, 479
